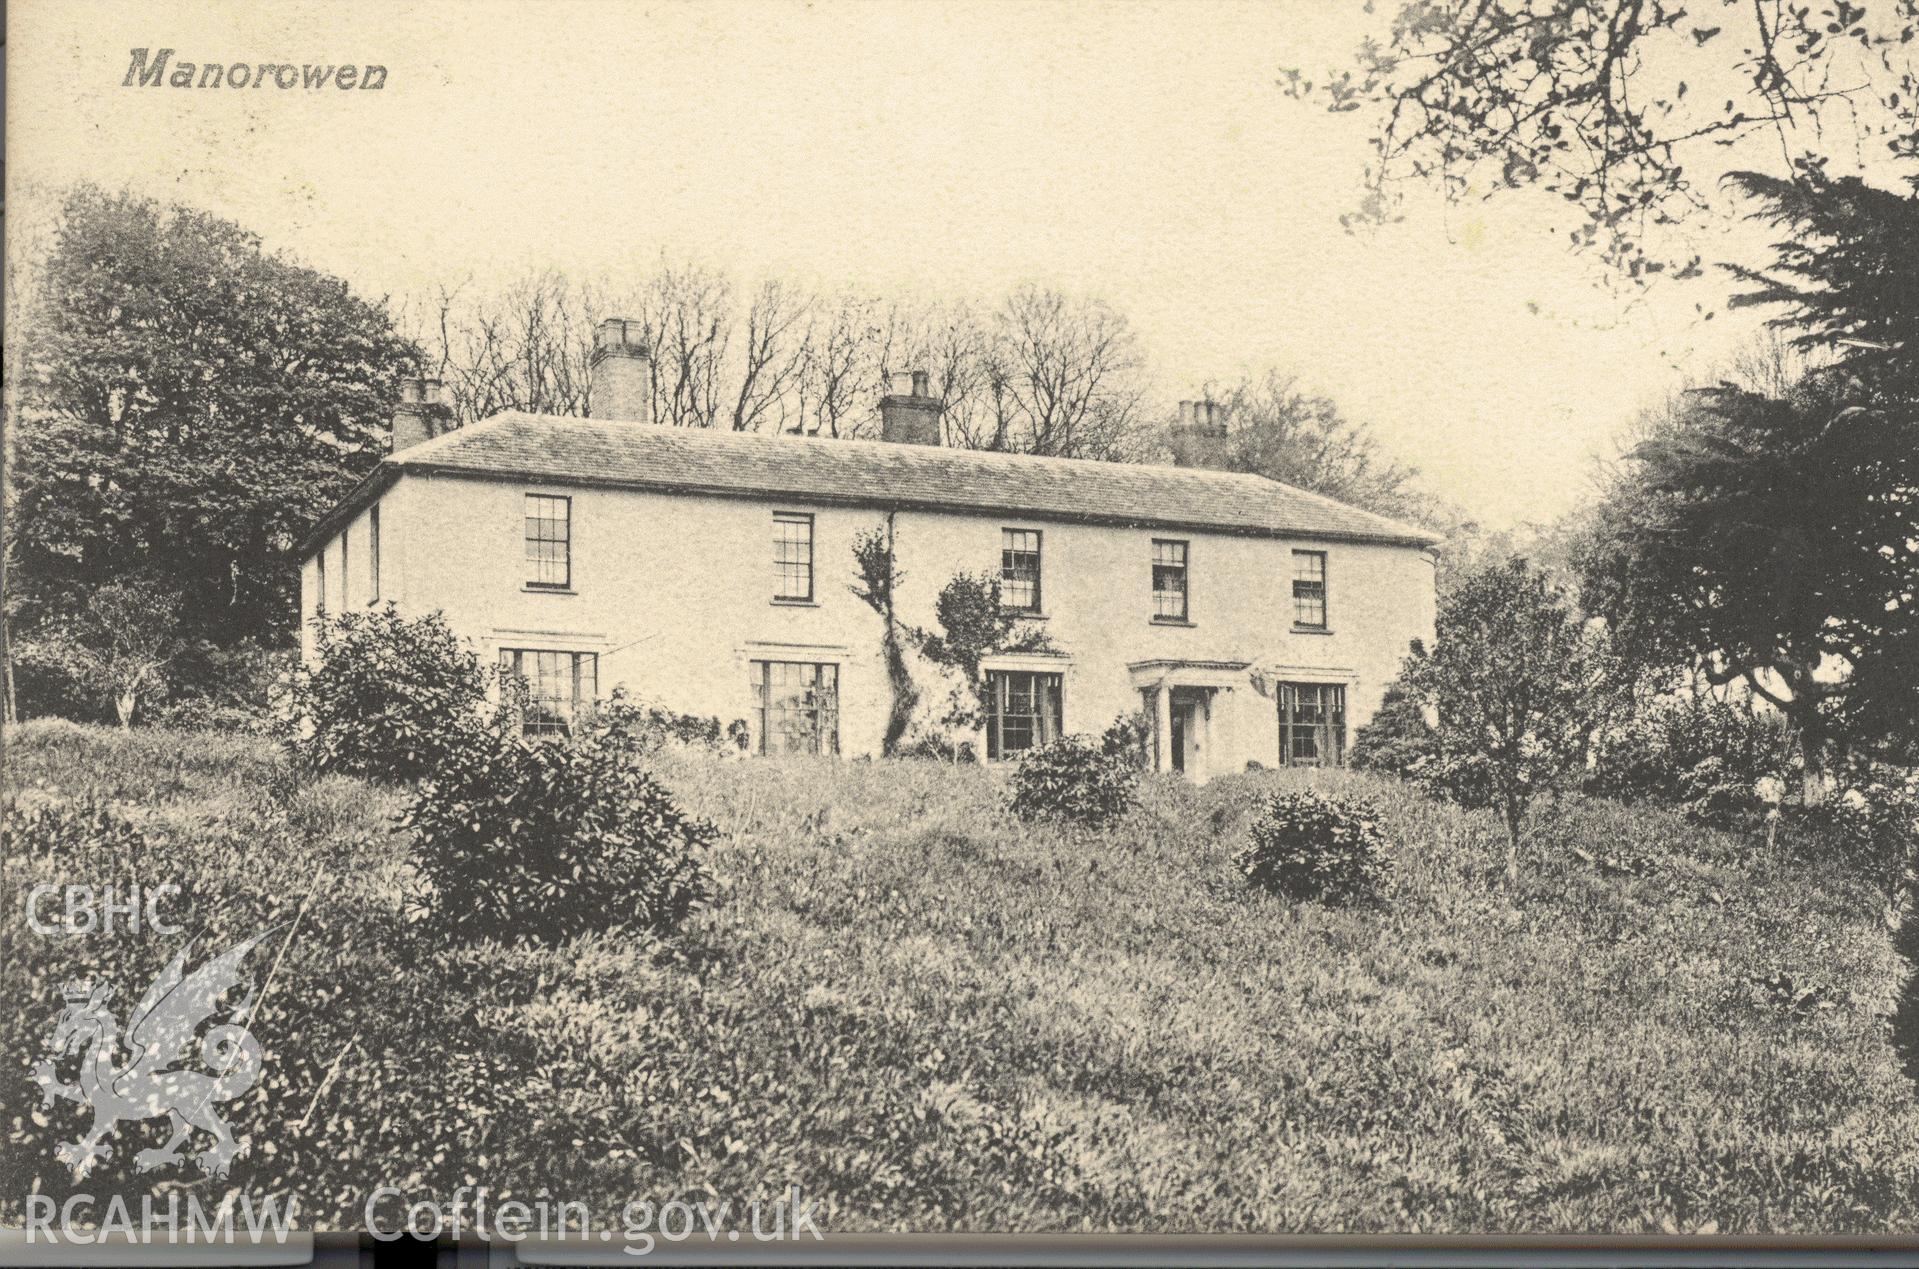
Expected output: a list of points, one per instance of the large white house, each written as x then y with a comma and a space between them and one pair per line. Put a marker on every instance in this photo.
712, 572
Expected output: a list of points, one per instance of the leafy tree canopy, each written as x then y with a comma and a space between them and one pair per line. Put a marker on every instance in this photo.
192, 403
1518, 682
1278, 429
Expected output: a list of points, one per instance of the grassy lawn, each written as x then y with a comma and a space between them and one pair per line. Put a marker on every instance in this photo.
931, 1017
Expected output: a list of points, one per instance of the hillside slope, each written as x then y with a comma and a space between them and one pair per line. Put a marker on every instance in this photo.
927, 1016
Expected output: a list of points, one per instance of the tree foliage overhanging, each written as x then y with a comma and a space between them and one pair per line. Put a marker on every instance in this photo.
1629, 110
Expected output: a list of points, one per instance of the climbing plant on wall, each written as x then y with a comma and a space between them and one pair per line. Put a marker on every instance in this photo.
878, 583
973, 626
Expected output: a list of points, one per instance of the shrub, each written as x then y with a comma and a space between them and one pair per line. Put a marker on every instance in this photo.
1397, 738
1130, 739
645, 729
1714, 792
49, 681
1314, 847
1464, 779
117, 652
938, 746
239, 689
1073, 779
523, 839
1872, 828
1696, 752
78, 836
389, 698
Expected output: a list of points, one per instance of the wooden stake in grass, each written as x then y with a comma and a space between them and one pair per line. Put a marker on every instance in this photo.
326, 1081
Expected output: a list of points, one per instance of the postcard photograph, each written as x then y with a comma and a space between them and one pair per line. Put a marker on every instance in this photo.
702, 628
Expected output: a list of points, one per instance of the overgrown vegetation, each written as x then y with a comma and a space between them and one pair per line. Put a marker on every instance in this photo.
971, 624
1710, 757
547, 841
645, 728
1397, 739
388, 697
1129, 738
1310, 846
1075, 780
925, 1012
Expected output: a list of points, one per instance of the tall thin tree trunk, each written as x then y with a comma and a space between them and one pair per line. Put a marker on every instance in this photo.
9, 707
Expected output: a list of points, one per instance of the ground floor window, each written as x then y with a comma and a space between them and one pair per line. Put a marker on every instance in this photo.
1312, 724
798, 706
560, 686
1022, 711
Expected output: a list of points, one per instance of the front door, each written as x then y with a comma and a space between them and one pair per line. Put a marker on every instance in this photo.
1179, 714
1189, 731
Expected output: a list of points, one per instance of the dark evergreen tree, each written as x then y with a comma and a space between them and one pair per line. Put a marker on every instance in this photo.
1774, 538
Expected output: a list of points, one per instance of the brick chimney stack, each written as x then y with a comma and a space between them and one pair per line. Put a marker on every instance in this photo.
420, 415
910, 414
1199, 438
621, 385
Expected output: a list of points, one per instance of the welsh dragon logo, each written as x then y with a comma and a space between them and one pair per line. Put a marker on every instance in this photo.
160, 1033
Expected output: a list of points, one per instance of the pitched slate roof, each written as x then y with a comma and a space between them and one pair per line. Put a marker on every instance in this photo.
579, 451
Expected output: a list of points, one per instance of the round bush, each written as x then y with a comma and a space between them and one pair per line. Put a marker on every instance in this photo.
1073, 779
387, 697
546, 840
1314, 847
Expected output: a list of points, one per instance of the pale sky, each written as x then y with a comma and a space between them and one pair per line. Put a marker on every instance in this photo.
1141, 153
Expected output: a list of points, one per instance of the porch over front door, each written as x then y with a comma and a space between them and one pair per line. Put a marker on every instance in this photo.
1187, 703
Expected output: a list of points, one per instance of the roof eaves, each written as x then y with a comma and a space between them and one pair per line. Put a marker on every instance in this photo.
1397, 528
1410, 537
371, 486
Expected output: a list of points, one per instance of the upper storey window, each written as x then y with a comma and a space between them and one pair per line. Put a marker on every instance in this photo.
1169, 580
792, 557
1019, 572
549, 541
1309, 589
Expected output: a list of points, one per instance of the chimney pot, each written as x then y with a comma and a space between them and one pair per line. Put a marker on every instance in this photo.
621, 385
617, 333
419, 415
1198, 439
908, 414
